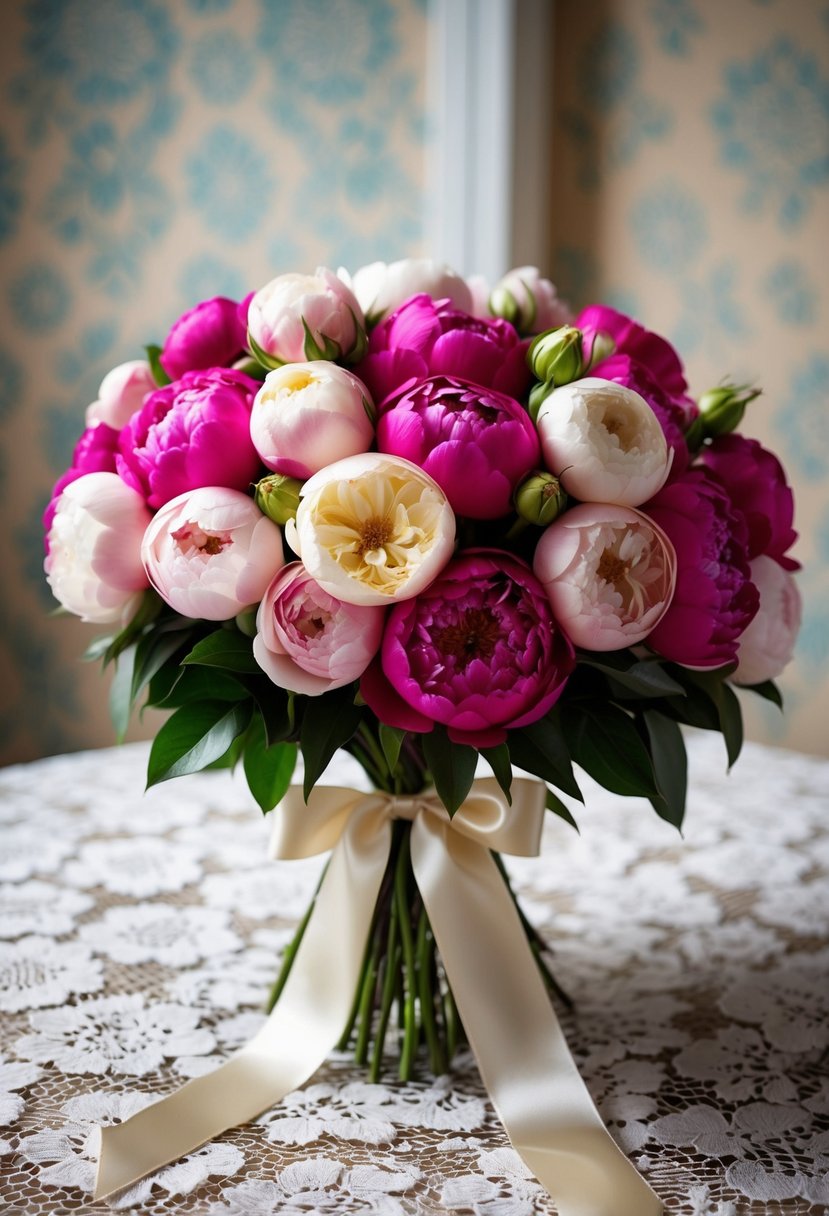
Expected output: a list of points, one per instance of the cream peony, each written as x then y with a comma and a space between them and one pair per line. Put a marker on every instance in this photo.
381, 287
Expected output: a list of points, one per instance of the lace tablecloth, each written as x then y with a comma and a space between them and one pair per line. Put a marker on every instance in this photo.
141, 932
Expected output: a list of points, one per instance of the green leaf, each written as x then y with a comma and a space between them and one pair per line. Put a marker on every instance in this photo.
149, 608
327, 723
542, 748
97, 649
731, 722
554, 804
200, 684
154, 359
391, 740
153, 651
268, 769
227, 648
120, 692
647, 677
670, 765
452, 766
605, 742
275, 707
268, 361
768, 690
498, 759
194, 736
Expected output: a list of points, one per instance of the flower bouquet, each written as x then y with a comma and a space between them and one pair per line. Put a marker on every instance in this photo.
397, 515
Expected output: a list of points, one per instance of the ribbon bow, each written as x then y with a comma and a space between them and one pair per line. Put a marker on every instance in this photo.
521, 1052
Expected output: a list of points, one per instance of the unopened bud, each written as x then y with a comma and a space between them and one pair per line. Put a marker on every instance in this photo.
556, 356
277, 497
538, 394
722, 408
602, 347
539, 499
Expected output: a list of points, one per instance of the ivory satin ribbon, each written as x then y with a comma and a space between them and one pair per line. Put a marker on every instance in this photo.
524, 1060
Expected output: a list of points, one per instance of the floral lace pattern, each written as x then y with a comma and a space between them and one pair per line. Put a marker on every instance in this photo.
139, 938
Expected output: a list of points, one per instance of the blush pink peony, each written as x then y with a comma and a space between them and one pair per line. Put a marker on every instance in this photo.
301, 317
766, 646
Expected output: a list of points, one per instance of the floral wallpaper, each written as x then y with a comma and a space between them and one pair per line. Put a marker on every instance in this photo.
691, 172
152, 154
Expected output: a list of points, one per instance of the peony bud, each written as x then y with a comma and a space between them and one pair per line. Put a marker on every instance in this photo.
540, 499
528, 301
122, 392
538, 395
556, 356
277, 496
382, 287
297, 318
721, 409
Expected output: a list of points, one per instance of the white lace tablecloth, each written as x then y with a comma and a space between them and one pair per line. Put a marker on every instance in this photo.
140, 934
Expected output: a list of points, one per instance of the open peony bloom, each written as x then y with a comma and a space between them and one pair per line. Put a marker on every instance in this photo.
609, 573
308, 415
372, 529
94, 453
715, 598
425, 337
210, 335
211, 552
477, 444
94, 548
529, 301
308, 641
767, 644
122, 392
671, 413
381, 287
301, 317
604, 442
756, 485
477, 651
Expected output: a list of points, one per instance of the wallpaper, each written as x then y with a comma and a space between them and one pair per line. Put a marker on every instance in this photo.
691, 188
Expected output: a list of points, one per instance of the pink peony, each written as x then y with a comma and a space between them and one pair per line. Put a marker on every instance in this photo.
767, 645
671, 412
308, 641
210, 553
94, 453
210, 335
715, 598
756, 485
425, 337
299, 317
122, 392
195, 432
477, 444
609, 573
528, 300
381, 287
477, 651
630, 338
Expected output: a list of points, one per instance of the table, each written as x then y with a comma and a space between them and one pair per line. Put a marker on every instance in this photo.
140, 934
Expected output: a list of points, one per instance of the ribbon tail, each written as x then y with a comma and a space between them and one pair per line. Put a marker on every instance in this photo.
301, 1031
520, 1048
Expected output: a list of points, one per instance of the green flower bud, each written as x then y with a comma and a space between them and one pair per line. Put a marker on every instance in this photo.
246, 622
277, 497
556, 356
502, 303
722, 408
538, 394
539, 499
603, 347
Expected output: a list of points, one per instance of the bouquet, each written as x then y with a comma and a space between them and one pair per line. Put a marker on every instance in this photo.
431, 525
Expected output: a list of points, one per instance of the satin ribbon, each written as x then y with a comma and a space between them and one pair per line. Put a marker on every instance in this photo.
521, 1052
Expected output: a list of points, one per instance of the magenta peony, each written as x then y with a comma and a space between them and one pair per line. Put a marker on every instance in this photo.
478, 651
477, 444
94, 453
715, 598
425, 337
210, 335
195, 432
630, 338
756, 485
672, 413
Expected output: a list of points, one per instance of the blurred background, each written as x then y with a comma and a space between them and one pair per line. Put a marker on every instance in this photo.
670, 157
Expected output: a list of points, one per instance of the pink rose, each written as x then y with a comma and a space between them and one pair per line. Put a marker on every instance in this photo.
630, 338
767, 644
210, 335
425, 337
609, 573
715, 598
301, 317
671, 413
94, 453
308, 641
195, 432
211, 552
477, 651
122, 392
476, 443
756, 485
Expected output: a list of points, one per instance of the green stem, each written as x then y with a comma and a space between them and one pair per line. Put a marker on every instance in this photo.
344, 1038
410, 1027
292, 947
452, 1020
392, 964
367, 998
425, 951
377, 754
362, 757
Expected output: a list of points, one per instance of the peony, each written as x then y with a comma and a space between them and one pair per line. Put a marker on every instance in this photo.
477, 444
427, 338
195, 432
94, 548
308, 415
308, 641
604, 442
381, 287
372, 529
211, 552
210, 335
628, 337
756, 485
767, 644
301, 317
671, 414
609, 573
714, 598
122, 392
476, 651
94, 453
528, 301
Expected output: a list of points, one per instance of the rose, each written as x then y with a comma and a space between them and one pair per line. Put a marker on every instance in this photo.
94, 545
477, 444
427, 338
608, 572
210, 335
122, 392
94, 453
308, 641
210, 553
298, 317
195, 432
714, 598
372, 528
528, 301
380, 287
603, 441
476, 651
671, 413
308, 415
766, 645
628, 337
756, 484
